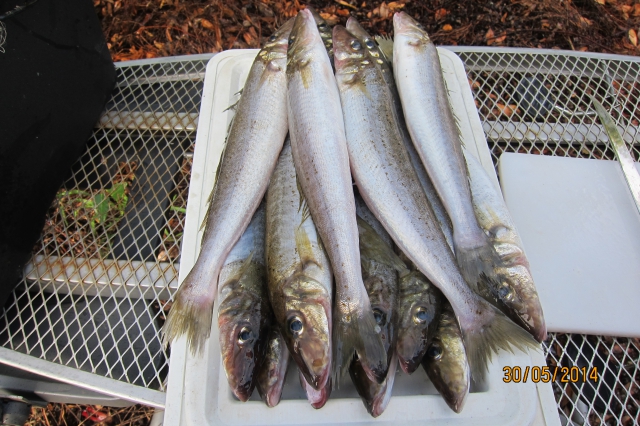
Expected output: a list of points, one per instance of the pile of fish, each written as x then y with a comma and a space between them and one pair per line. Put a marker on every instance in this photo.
419, 263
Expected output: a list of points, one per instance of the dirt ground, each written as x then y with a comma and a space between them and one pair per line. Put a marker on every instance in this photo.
137, 29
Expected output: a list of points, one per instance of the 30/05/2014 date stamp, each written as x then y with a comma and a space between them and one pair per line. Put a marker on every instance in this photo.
550, 374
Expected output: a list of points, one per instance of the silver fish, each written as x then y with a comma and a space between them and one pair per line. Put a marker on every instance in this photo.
322, 165
255, 139
375, 396
389, 186
316, 397
325, 32
446, 361
244, 315
386, 69
436, 136
300, 277
514, 290
272, 373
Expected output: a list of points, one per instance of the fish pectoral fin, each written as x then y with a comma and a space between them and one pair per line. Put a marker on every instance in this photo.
386, 47
373, 247
243, 268
305, 250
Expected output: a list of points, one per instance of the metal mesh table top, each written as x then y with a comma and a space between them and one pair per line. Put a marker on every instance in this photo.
102, 276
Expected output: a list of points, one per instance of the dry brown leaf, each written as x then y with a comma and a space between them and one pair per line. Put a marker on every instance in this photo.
633, 37
585, 22
447, 27
343, 12
441, 13
206, 24
599, 1
489, 36
331, 19
500, 40
636, 9
394, 5
383, 11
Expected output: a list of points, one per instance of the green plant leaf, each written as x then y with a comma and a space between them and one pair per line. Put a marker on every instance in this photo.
102, 208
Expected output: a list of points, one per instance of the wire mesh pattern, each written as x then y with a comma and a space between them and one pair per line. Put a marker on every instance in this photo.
103, 274
539, 103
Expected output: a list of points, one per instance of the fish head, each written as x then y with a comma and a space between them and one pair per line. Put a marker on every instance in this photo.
351, 57
446, 363
272, 373
307, 328
276, 46
354, 27
419, 307
382, 304
409, 31
323, 28
305, 43
244, 325
515, 293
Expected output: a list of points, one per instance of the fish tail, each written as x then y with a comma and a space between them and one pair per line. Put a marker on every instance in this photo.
489, 333
357, 336
191, 315
475, 258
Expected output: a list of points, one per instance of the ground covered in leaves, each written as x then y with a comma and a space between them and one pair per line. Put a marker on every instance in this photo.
138, 29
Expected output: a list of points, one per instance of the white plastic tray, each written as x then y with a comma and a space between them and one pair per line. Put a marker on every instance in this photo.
198, 393
581, 229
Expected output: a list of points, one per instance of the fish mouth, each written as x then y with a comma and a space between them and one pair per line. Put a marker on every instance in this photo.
409, 365
314, 365
243, 391
317, 398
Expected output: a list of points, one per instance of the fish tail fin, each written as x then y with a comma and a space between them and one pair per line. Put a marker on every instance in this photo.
191, 314
475, 258
491, 332
356, 335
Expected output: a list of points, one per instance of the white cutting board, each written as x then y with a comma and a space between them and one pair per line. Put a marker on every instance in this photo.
581, 232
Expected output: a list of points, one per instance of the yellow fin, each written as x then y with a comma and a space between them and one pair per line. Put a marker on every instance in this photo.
386, 47
305, 250
373, 247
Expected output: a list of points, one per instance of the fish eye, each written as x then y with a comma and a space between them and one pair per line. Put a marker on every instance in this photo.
291, 39
245, 335
505, 293
420, 316
435, 351
322, 26
355, 44
379, 316
272, 38
295, 325
369, 43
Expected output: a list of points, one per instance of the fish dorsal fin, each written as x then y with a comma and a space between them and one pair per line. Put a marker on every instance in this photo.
305, 250
303, 207
203, 225
373, 247
386, 47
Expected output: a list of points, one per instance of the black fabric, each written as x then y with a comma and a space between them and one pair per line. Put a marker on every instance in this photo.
56, 75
